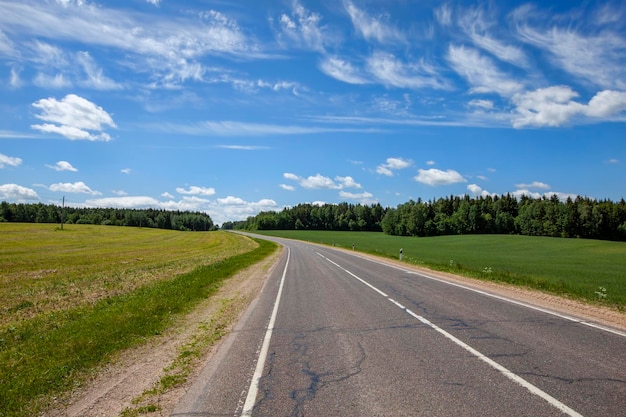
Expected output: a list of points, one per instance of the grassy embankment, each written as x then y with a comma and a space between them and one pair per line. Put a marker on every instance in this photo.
71, 299
590, 270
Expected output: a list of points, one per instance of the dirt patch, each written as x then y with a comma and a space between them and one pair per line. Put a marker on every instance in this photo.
134, 372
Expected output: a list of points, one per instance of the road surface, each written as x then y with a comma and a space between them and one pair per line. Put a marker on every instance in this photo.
337, 334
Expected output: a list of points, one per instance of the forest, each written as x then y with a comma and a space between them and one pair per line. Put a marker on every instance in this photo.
574, 218
161, 219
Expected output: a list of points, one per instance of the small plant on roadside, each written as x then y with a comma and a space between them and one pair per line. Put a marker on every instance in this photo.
601, 293
487, 270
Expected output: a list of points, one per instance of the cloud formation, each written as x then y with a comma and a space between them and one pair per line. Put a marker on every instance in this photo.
391, 165
11, 161
74, 118
319, 181
62, 166
435, 177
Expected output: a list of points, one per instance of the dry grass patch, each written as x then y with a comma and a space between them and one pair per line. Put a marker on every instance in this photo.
44, 269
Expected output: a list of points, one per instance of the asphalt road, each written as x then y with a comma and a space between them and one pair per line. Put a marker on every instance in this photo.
335, 334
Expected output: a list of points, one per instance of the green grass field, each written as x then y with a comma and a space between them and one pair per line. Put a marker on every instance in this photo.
574, 267
71, 299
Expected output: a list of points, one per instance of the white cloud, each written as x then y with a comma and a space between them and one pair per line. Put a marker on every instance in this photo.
14, 192
478, 191
606, 104
363, 198
319, 181
126, 171
128, 202
167, 195
195, 190
373, 28
436, 177
481, 72
9, 161
431, 163
554, 106
536, 195
235, 208
392, 164
534, 185
73, 117
287, 187
76, 187
120, 192
62, 166
613, 161
342, 70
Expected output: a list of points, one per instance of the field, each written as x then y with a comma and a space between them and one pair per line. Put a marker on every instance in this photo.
590, 270
71, 298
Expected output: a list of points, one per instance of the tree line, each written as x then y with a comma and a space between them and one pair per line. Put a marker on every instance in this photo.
580, 217
161, 219
341, 216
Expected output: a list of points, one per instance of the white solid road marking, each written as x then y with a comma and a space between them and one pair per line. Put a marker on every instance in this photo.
258, 372
512, 376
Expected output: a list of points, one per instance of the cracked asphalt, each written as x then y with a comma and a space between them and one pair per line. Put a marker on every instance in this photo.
341, 348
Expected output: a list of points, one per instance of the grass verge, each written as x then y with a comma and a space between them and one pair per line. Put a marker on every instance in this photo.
590, 270
50, 354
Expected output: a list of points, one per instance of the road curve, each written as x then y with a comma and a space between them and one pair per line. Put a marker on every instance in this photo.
334, 334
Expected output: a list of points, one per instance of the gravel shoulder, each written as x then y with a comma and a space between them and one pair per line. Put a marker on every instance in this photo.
123, 383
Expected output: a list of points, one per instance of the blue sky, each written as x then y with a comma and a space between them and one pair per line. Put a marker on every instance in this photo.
236, 107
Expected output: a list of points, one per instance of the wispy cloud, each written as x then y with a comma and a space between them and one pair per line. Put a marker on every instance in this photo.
391, 71
481, 72
373, 28
302, 28
234, 128
168, 48
476, 23
342, 70
596, 57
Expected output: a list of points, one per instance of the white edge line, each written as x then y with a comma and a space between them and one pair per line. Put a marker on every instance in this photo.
258, 372
509, 374
499, 297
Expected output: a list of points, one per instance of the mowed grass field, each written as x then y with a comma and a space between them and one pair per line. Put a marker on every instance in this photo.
70, 299
590, 270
